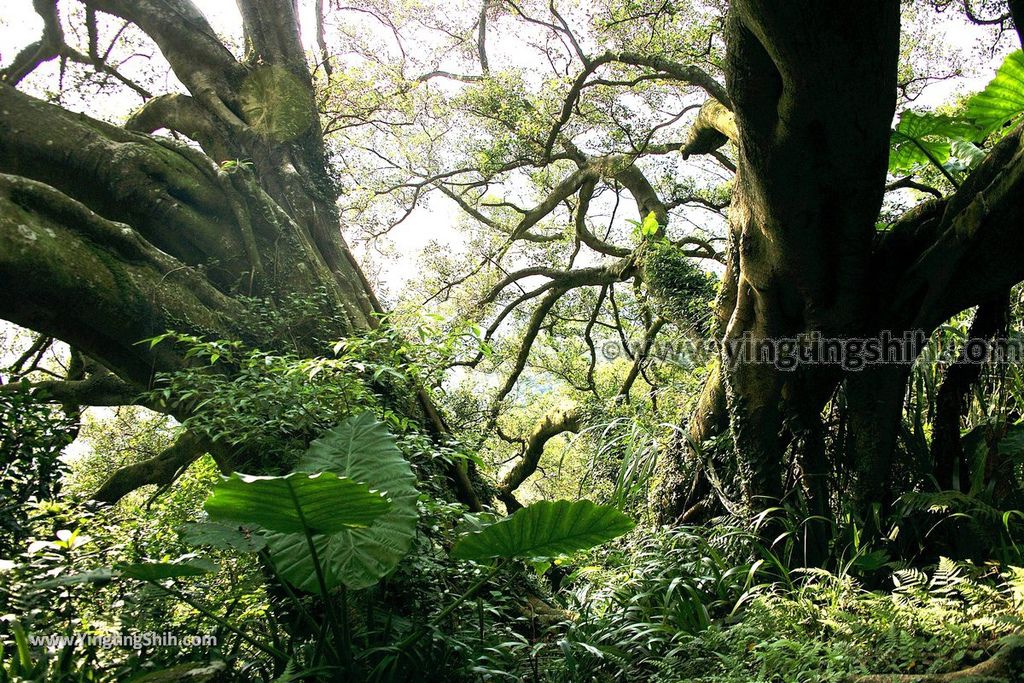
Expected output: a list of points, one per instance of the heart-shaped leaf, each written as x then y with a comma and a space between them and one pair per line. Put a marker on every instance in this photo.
321, 503
360, 448
922, 138
1002, 99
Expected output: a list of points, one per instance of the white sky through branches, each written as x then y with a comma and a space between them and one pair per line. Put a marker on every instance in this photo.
437, 219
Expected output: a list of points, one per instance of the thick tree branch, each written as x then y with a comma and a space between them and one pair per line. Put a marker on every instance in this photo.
950, 465
568, 279
566, 188
715, 126
686, 471
121, 289
188, 42
180, 201
583, 233
173, 198
101, 388
182, 114
551, 425
644, 194
161, 469
934, 254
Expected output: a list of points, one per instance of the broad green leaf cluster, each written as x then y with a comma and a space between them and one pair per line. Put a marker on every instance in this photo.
950, 143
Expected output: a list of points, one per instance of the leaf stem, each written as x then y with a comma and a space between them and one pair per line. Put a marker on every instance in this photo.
934, 161
318, 569
272, 651
451, 607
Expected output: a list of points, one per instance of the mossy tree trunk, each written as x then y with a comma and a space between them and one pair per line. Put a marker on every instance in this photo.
813, 92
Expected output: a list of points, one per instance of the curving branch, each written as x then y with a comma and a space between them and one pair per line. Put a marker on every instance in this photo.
644, 194
116, 271
178, 200
641, 357
950, 465
562, 191
934, 253
196, 55
908, 182
173, 199
182, 114
583, 233
52, 45
526, 344
46, 48
101, 388
556, 422
670, 70
983, 21
321, 39
569, 279
714, 127
440, 73
481, 36
35, 352
589, 339
161, 469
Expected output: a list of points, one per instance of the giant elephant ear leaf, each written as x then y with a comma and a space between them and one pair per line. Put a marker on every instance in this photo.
362, 449
923, 138
321, 503
545, 529
1002, 99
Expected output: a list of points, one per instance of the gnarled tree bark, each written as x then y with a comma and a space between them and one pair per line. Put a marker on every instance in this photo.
111, 235
812, 91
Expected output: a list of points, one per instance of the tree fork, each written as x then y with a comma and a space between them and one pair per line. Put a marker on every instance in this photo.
950, 465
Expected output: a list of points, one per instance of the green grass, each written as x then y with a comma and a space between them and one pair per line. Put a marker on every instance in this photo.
684, 609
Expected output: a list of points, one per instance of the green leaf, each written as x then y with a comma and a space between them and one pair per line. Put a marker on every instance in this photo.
545, 529
321, 503
872, 561
1002, 99
649, 226
100, 576
1012, 443
967, 152
926, 138
222, 536
360, 448
157, 571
